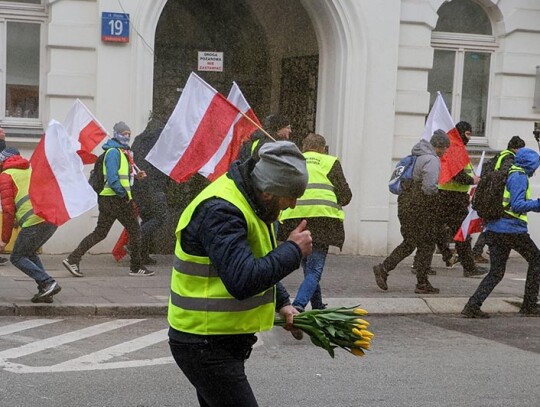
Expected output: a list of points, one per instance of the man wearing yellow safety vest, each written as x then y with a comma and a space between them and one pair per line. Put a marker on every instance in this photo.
35, 231
453, 207
225, 278
326, 193
277, 125
511, 232
115, 203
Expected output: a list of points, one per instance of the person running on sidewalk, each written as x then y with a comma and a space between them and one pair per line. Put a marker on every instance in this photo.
35, 231
225, 278
326, 193
511, 232
453, 207
115, 203
417, 214
3, 260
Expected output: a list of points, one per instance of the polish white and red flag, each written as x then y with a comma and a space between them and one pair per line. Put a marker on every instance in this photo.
456, 157
240, 132
472, 223
59, 190
81, 124
195, 131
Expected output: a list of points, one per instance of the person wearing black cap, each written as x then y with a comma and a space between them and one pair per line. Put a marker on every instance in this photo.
35, 231
115, 203
453, 207
225, 278
501, 162
277, 125
417, 215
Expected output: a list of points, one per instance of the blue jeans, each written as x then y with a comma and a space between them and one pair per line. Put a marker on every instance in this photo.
313, 266
24, 255
215, 367
500, 245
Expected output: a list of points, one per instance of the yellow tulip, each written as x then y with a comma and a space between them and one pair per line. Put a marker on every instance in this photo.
357, 352
360, 326
361, 321
366, 333
357, 332
362, 344
360, 311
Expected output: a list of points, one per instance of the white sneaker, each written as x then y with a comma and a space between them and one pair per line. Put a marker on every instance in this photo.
73, 268
142, 272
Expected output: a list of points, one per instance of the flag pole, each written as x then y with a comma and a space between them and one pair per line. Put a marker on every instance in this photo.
257, 125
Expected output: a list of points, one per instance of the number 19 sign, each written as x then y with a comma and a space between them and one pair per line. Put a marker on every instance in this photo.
114, 27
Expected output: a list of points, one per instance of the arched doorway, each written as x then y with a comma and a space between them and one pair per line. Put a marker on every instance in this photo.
270, 51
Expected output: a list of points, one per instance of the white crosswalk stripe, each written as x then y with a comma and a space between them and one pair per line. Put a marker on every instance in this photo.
98, 360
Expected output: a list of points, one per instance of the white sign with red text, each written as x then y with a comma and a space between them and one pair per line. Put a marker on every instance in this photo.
210, 61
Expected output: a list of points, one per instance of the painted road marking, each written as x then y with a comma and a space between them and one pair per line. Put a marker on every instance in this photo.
22, 326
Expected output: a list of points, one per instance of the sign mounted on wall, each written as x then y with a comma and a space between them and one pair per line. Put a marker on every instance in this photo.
114, 27
210, 61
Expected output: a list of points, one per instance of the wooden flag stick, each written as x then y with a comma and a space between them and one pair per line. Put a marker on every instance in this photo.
259, 127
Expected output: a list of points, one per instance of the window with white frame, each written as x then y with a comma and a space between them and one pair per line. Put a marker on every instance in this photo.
21, 25
463, 45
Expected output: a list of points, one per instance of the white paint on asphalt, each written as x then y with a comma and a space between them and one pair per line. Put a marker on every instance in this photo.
93, 361
22, 326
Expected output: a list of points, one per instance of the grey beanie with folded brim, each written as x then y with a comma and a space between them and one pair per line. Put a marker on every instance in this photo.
281, 170
440, 139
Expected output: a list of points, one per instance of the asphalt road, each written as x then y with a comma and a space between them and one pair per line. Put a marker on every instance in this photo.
423, 360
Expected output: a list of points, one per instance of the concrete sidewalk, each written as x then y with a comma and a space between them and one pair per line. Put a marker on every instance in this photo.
108, 290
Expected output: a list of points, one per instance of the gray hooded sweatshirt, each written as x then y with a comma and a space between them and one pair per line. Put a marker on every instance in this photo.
427, 167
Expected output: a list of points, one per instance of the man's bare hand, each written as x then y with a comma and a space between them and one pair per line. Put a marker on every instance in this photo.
140, 175
302, 237
2, 245
288, 312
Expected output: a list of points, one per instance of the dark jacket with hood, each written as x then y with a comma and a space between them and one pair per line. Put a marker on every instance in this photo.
218, 230
517, 184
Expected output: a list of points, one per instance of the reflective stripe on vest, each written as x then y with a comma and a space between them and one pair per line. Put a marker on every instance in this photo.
199, 302
24, 210
456, 186
507, 197
319, 199
123, 175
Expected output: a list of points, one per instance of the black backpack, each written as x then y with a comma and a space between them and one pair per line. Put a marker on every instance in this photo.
488, 197
97, 177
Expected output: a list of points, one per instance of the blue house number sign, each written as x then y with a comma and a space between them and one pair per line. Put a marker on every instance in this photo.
114, 27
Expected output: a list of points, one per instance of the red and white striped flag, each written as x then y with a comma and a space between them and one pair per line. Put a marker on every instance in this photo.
240, 131
81, 124
472, 223
456, 157
194, 132
59, 190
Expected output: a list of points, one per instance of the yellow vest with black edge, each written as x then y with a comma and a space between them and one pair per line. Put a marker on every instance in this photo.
319, 199
456, 186
506, 197
502, 156
254, 145
199, 302
123, 174
24, 210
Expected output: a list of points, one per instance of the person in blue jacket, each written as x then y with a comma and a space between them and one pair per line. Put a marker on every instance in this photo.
511, 232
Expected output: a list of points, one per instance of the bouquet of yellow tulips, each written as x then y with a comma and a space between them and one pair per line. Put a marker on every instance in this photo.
335, 327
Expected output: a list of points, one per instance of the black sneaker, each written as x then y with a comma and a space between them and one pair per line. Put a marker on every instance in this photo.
142, 272
473, 312
426, 288
73, 268
476, 272
3, 261
46, 300
530, 312
46, 290
380, 276
149, 261
451, 262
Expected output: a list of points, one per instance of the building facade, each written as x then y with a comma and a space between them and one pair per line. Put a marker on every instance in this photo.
361, 73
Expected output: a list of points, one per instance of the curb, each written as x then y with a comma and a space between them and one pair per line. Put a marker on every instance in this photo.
375, 306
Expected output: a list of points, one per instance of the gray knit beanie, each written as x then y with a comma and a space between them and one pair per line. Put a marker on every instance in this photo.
121, 127
281, 170
440, 139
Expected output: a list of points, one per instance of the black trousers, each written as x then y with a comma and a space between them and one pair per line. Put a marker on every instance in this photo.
112, 208
216, 369
500, 245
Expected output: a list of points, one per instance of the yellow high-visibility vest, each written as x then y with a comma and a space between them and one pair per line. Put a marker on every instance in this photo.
456, 186
123, 174
24, 209
506, 197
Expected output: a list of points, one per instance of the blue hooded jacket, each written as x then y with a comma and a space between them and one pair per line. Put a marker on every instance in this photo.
112, 163
517, 184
